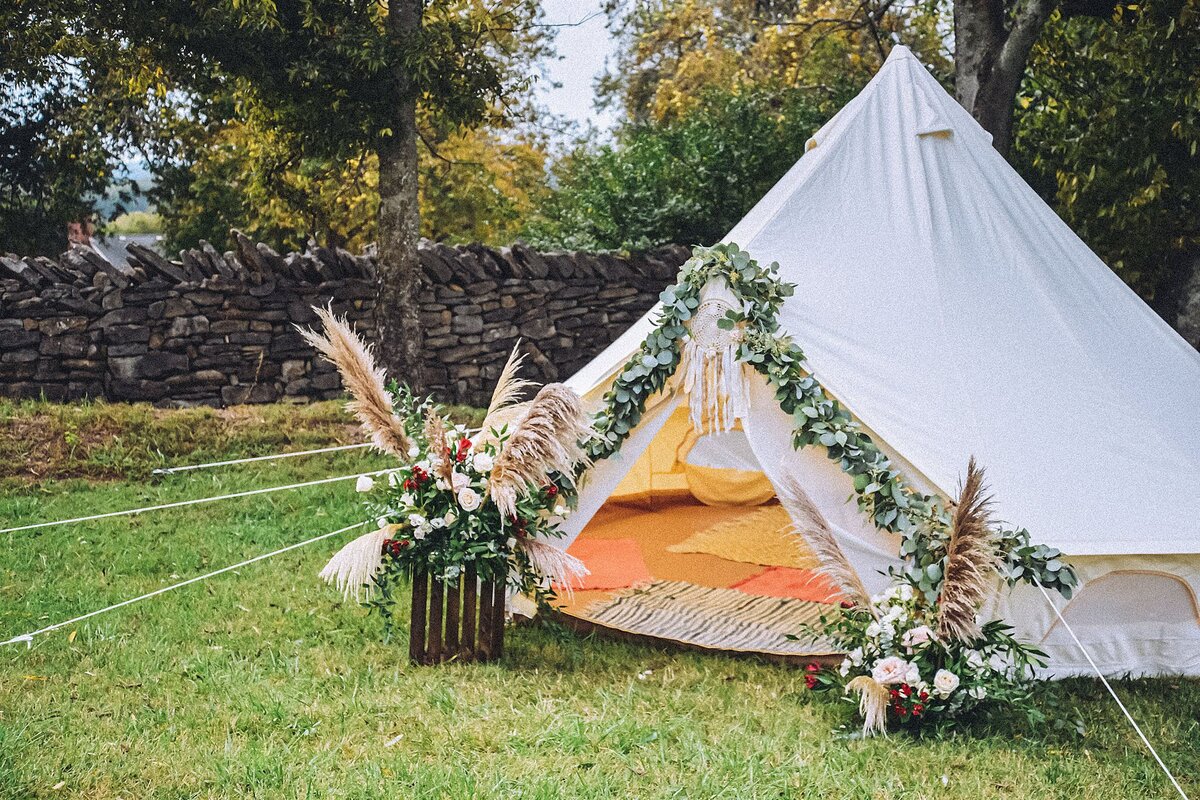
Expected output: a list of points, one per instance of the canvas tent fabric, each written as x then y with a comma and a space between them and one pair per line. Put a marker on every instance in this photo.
954, 314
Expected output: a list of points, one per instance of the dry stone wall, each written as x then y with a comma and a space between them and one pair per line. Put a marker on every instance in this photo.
216, 328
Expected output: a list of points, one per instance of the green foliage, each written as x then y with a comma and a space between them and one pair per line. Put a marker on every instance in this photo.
1109, 127
881, 491
688, 180
252, 114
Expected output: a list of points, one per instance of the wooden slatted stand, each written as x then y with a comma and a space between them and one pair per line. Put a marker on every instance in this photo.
458, 621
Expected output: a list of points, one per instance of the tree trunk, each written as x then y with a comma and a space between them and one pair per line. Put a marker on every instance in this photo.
397, 317
992, 42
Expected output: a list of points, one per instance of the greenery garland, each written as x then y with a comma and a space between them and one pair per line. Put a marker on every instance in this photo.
921, 520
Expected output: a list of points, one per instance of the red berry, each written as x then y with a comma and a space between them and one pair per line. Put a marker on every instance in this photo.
847, 604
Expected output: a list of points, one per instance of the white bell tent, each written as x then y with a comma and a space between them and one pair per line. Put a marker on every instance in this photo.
953, 314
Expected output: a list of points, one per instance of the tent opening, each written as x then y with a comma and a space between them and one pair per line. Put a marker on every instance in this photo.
693, 546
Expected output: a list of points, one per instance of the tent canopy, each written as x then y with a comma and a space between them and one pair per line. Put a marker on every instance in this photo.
955, 314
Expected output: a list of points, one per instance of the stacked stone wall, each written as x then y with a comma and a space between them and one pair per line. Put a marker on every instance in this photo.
212, 328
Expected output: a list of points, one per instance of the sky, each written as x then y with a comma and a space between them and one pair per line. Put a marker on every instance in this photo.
583, 42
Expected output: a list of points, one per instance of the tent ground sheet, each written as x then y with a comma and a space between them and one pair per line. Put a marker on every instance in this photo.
693, 597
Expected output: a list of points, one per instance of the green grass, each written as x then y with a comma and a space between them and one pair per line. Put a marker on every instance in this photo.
263, 684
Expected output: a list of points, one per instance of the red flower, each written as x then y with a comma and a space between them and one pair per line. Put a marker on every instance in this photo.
917, 709
387, 545
905, 689
813, 667
551, 490
464, 446
903, 711
810, 681
894, 693
924, 696
847, 604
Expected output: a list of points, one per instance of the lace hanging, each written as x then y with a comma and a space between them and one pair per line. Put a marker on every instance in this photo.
713, 377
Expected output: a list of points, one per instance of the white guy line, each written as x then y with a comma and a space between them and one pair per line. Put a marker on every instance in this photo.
169, 470
181, 503
27, 638
1108, 686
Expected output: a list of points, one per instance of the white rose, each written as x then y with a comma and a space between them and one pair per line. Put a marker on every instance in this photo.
407, 499
437, 522
459, 481
468, 499
416, 520
414, 451
424, 466
419, 533
450, 518
913, 675
365, 483
892, 669
482, 462
382, 522
978, 692
511, 543
906, 592
440, 484
945, 682
856, 656
844, 669
562, 511
916, 637
974, 659
873, 630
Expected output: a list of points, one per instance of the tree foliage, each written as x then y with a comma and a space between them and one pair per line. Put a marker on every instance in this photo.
720, 97
1109, 128
688, 180
262, 115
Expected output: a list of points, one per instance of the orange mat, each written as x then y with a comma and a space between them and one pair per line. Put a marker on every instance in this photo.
801, 584
614, 563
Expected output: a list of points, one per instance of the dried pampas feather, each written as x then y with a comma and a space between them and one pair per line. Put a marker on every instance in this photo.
370, 402
546, 440
972, 562
809, 523
562, 568
508, 388
439, 445
872, 703
352, 567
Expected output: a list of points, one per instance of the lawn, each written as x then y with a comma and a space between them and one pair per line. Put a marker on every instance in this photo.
263, 684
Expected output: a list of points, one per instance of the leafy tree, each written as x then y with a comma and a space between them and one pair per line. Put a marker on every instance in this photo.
673, 52
333, 80
1110, 129
476, 185
688, 180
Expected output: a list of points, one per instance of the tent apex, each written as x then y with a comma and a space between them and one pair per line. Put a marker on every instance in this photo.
899, 52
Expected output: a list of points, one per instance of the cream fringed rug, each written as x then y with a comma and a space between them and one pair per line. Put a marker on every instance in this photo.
760, 537
723, 619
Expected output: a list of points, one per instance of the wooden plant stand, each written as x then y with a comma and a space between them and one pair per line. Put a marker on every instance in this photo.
458, 621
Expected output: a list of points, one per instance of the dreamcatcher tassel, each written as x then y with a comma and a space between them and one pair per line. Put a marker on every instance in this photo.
716, 387
713, 377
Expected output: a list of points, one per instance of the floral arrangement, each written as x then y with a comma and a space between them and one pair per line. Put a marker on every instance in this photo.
487, 502
909, 662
